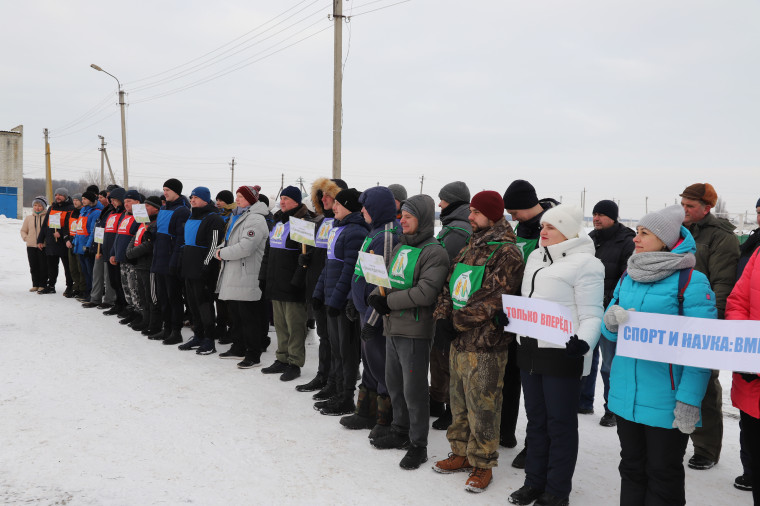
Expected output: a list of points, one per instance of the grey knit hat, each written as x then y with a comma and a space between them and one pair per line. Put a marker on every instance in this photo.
61, 191
665, 224
398, 191
40, 199
77, 196
455, 192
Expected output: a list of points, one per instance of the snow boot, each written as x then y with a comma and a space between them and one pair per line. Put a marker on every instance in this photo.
392, 441
160, 334
414, 458
131, 315
443, 421
344, 406
437, 409
174, 338
525, 495
207, 347
317, 383
366, 411
193, 343
326, 392
384, 417
547, 499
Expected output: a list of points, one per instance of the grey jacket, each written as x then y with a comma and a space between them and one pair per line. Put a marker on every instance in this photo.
411, 313
242, 253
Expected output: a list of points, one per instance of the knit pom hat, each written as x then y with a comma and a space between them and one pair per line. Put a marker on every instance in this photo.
665, 224
225, 196
489, 203
520, 195
701, 191
607, 208
349, 199
249, 193
456, 192
292, 193
566, 218
174, 185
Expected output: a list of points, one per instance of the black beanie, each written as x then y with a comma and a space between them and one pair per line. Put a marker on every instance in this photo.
153, 201
263, 198
225, 196
342, 184
607, 208
112, 187
92, 188
349, 199
103, 193
91, 196
174, 185
520, 195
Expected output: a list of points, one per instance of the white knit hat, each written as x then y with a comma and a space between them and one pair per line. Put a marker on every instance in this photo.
565, 218
665, 224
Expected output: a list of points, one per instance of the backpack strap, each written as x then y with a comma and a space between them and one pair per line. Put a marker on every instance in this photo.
684, 278
622, 277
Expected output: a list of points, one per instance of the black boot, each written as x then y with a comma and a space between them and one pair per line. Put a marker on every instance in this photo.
343, 407
392, 441
414, 458
114, 310
174, 337
160, 334
366, 411
437, 409
131, 316
317, 383
140, 323
325, 393
443, 421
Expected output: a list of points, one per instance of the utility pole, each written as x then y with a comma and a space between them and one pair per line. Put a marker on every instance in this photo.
102, 161
583, 204
113, 179
646, 205
232, 179
48, 171
123, 137
300, 183
422, 180
337, 86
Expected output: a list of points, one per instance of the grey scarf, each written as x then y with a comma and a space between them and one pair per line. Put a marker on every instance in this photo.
656, 265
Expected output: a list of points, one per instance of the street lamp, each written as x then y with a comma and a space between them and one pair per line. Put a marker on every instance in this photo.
123, 124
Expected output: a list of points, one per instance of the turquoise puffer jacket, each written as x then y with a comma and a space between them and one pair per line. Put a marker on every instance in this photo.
646, 392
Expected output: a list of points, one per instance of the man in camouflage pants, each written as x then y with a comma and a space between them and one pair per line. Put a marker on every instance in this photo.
470, 312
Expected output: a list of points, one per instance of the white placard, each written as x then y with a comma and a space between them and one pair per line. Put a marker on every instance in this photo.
540, 319
302, 231
373, 267
54, 220
732, 345
99, 234
140, 213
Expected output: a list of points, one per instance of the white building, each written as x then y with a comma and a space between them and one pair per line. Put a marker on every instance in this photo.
12, 172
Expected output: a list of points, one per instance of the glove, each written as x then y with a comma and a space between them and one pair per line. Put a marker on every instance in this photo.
332, 311
85, 251
445, 331
263, 285
576, 347
502, 320
317, 304
380, 304
304, 260
368, 333
614, 317
687, 417
749, 377
351, 313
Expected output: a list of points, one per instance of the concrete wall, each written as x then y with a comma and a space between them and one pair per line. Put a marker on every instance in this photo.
12, 162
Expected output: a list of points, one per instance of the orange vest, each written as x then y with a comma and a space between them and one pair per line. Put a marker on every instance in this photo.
126, 224
139, 234
111, 223
73, 222
82, 226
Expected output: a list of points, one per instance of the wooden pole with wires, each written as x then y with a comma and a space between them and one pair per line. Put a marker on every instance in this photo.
337, 86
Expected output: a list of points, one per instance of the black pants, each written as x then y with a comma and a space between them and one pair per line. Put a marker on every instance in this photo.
169, 294
651, 465
751, 444
324, 353
150, 311
52, 269
510, 406
245, 318
345, 349
37, 266
114, 277
200, 299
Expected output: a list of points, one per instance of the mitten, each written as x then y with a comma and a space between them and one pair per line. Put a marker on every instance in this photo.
614, 317
687, 417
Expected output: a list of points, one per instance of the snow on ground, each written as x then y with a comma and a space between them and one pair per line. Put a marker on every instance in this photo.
93, 413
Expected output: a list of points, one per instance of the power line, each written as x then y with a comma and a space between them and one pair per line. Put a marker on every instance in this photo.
87, 115
381, 8
58, 136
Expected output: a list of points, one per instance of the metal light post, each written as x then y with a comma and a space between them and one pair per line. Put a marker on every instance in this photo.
123, 124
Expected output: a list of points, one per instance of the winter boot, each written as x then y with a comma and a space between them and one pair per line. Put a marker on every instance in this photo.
525, 495
46, 290
160, 334
125, 311
479, 480
174, 338
68, 292
443, 421
207, 347
193, 343
453, 464
337, 398
139, 324
129, 318
317, 383
343, 407
384, 417
519, 460
114, 310
547, 499
277, 367
366, 411
291, 373
392, 441
326, 392
437, 409
414, 458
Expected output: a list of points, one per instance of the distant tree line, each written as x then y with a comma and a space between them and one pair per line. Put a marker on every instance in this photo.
36, 186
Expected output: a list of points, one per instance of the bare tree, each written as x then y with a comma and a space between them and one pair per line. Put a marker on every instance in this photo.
721, 209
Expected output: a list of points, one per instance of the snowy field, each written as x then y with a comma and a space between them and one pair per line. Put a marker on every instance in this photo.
94, 413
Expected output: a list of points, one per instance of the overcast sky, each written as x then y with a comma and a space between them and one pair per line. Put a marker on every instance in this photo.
627, 99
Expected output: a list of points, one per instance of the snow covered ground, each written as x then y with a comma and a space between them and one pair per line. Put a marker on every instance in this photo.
93, 413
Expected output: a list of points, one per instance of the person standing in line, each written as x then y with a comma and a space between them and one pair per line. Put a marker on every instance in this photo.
417, 274
614, 245
225, 202
470, 317
455, 232
30, 230
77, 276
657, 404
717, 258
111, 232
103, 295
563, 270
125, 234
83, 242
400, 195
140, 252
51, 239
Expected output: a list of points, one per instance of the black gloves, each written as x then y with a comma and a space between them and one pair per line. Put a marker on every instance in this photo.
445, 331
501, 319
351, 313
368, 332
332, 311
317, 304
304, 260
575, 347
380, 304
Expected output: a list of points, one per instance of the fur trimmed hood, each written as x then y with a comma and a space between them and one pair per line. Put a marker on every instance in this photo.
321, 186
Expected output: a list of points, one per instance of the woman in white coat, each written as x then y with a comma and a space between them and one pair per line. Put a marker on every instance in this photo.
245, 239
562, 270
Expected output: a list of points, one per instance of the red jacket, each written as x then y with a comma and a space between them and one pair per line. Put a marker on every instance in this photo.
744, 304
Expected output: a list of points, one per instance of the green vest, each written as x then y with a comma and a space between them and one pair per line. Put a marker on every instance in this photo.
467, 279
402, 267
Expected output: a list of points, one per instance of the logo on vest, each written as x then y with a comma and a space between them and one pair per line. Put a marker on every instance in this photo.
400, 264
324, 231
331, 238
462, 287
278, 231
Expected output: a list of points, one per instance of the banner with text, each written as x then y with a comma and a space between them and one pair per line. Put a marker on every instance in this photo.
540, 319
730, 345
374, 269
302, 231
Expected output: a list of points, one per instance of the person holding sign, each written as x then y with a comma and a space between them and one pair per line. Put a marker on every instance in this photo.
563, 270
102, 295
657, 404
54, 228
77, 276
418, 270
470, 317
333, 291
140, 252
84, 241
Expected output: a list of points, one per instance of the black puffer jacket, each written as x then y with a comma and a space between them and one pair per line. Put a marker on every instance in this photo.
142, 253
613, 247
53, 246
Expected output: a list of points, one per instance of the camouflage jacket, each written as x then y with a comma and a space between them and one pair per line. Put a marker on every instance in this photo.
477, 330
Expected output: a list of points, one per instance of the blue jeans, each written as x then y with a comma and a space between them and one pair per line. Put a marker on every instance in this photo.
588, 383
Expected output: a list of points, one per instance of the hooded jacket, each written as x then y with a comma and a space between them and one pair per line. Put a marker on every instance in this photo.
456, 228
614, 245
203, 233
567, 273
384, 235
334, 284
241, 255
170, 230
31, 228
57, 247
644, 391
477, 329
140, 249
717, 255
88, 216
411, 313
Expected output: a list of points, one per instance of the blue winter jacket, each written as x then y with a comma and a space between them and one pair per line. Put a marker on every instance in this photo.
381, 206
170, 231
646, 392
86, 241
334, 284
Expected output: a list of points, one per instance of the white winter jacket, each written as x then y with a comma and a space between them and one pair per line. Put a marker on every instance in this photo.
568, 273
241, 255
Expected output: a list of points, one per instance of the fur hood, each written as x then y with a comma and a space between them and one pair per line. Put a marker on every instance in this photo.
321, 186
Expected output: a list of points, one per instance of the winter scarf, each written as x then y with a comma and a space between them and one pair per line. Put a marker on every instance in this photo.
240, 210
656, 265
